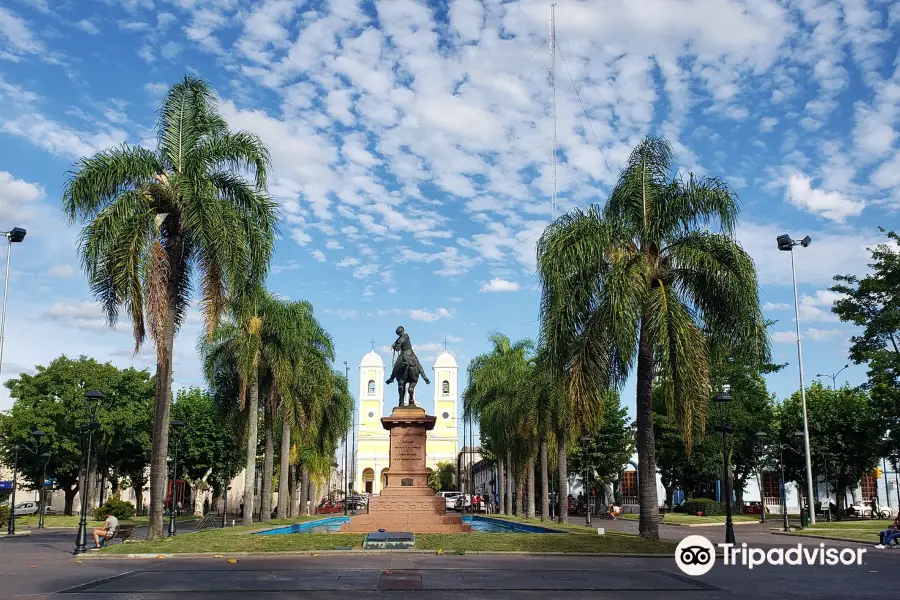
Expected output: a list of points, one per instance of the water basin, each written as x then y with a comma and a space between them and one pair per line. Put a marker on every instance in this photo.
479, 524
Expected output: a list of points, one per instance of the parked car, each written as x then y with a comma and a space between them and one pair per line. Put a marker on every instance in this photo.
753, 507
450, 499
357, 502
864, 509
27, 508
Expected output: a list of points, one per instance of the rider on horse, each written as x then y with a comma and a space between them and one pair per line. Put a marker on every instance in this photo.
407, 358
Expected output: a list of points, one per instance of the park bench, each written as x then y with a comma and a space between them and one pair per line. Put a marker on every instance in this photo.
124, 532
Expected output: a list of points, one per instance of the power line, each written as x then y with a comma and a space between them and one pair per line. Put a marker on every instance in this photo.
583, 109
538, 148
536, 49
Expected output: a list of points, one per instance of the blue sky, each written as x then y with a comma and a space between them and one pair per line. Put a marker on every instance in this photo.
417, 133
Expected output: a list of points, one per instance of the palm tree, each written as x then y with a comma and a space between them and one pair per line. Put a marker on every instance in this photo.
152, 219
643, 277
499, 394
312, 353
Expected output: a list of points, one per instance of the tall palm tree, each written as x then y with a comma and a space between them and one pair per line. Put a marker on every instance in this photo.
312, 353
500, 396
643, 277
154, 218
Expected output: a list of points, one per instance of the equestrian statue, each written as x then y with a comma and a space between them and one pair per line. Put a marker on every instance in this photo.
406, 368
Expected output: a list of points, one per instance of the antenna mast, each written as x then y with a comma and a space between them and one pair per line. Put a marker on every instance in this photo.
553, 92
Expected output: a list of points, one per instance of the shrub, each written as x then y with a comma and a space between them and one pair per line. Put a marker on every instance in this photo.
118, 508
4, 516
704, 505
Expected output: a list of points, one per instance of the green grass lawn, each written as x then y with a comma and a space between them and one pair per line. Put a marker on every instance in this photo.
240, 539
72, 521
686, 519
863, 530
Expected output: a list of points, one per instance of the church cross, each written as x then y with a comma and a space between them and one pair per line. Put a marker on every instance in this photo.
445, 342
373, 344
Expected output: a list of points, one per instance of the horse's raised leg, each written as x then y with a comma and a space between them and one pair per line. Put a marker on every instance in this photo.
412, 390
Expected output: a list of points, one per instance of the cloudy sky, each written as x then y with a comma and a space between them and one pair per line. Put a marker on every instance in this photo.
412, 156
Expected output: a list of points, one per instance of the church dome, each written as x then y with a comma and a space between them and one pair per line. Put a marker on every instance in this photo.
372, 359
445, 360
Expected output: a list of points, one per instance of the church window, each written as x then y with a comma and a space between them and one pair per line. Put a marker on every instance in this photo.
371, 414
445, 388
371, 387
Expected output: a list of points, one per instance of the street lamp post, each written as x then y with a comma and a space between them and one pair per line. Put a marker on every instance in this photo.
833, 376
14, 235
585, 440
11, 526
46, 457
786, 244
92, 400
761, 447
723, 398
346, 453
177, 425
825, 452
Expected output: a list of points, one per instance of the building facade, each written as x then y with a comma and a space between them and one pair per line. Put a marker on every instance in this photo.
373, 441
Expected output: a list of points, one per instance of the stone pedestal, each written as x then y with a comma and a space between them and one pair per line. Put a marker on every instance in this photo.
407, 503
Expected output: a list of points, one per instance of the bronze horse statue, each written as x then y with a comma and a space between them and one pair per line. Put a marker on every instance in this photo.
406, 368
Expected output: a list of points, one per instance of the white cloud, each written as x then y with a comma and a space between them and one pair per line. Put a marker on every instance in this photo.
15, 35
776, 306
812, 334
79, 315
87, 26
18, 198
61, 271
499, 285
429, 315
834, 206
318, 255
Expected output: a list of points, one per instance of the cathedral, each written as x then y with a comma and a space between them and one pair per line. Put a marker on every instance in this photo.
373, 441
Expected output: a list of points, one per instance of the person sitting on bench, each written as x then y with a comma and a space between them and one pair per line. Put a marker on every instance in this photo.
107, 532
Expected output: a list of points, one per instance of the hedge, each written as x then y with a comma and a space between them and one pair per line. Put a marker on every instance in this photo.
118, 508
704, 505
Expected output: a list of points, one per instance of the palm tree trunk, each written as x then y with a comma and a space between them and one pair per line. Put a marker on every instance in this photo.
250, 467
563, 472
304, 489
265, 501
158, 467
293, 492
646, 444
529, 507
520, 494
313, 495
510, 474
284, 471
545, 480
501, 488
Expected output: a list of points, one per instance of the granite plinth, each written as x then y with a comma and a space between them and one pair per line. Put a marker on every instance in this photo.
407, 503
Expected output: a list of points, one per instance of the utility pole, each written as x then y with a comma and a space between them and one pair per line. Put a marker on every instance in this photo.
553, 93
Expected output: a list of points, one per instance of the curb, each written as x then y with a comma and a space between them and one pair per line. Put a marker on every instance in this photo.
161, 555
736, 523
18, 534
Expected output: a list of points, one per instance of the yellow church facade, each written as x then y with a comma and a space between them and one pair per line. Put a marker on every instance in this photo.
373, 441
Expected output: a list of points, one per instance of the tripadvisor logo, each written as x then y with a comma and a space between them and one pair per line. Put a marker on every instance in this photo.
696, 555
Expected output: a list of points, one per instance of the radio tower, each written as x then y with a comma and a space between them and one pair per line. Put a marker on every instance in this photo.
553, 93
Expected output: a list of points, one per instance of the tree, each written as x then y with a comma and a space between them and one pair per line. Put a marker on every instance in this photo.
441, 480
52, 400
210, 448
844, 422
873, 303
610, 447
500, 395
645, 277
155, 218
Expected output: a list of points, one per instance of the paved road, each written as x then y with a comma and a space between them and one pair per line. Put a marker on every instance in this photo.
41, 566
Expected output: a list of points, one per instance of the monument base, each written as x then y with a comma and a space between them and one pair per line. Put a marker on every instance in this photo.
407, 503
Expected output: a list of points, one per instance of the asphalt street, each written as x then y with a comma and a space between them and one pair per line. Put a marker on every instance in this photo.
42, 566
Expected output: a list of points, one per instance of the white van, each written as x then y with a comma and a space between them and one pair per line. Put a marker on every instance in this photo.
450, 499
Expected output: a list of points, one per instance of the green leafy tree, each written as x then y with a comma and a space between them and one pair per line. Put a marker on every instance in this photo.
52, 400
441, 479
210, 446
154, 220
872, 302
844, 422
609, 448
657, 276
